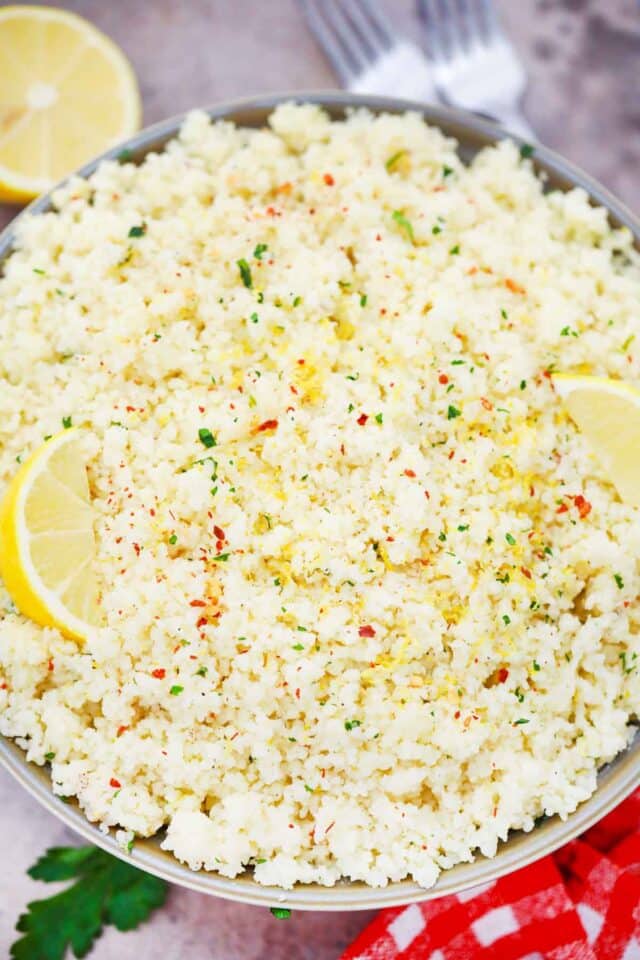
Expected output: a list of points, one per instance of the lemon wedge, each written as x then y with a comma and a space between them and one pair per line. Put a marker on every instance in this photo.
608, 414
47, 543
68, 93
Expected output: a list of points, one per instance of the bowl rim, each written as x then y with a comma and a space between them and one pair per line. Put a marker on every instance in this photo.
616, 780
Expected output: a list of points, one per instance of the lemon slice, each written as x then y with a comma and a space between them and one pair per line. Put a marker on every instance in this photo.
608, 414
68, 93
47, 543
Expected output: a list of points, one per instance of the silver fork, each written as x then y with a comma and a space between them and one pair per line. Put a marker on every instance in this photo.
474, 64
367, 55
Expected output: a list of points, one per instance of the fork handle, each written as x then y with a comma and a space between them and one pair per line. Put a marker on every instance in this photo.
512, 119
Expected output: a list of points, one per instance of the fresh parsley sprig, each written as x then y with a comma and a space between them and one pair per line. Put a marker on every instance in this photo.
105, 891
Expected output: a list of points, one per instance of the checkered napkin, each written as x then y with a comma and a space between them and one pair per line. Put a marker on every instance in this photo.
582, 903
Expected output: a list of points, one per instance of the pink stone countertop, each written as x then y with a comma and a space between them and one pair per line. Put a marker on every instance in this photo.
583, 99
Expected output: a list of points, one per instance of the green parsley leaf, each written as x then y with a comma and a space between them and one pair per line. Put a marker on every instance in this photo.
506, 618
378, 418
222, 557
206, 438
259, 250
510, 539
49, 756
536, 666
308, 788
436, 230
526, 150
462, 527
452, 412
350, 724
176, 690
404, 224
38, 270
173, 539
298, 646
138, 231
202, 671
618, 579
245, 273
281, 913
66, 422
518, 722
447, 171
125, 156
504, 314
105, 891
363, 299
455, 250
297, 301
523, 384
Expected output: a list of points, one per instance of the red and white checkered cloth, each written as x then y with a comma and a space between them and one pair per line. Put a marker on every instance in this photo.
582, 903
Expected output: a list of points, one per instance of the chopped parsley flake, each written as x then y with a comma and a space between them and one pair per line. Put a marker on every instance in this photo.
260, 249
447, 171
206, 438
297, 301
281, 913
350, 724
138, 231
404, 224
523, 384
245, 274
66, 422
378, 418
363, 299
254, 317
618, 579
173, 539
221, 557
176, 690
436, 230
49, 756
510, 539
506, 618
394, 160
455, 250
202, 671
536, 666
452, 412
41, 272
526, 150
522, 720
308, 788
298, 646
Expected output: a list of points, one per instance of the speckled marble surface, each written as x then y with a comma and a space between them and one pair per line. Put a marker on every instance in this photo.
583, 60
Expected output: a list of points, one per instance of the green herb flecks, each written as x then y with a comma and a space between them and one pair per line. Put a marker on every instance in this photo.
394, 160
404, 224
206, 438
66, 422
351, 724
245, 273
260, 250
138, 231
176, 690
281, 913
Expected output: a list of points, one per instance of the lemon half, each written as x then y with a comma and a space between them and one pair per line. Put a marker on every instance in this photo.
47, 542
68, 93
608, 414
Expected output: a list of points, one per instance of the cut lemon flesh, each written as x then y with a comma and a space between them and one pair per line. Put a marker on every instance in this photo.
608, 414
68, 93
47, 543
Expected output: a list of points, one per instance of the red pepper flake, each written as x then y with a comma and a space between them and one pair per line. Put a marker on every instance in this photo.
293, 389
443, 378
297, 693
328, 179
452, 454
583, 506
486, 403
152, 512
202, 622
50, 665
219, 532
197, 603
378, 237
3, 686
427, 495
301, 362
121, 730
532, 490
366, 631
267, 425
471, 271
115, 783
136, 547
342, 449
160, 673
525, 573
362, 419
130, 409
562, 508
456, 715
503, 675
513, 286
409, 473
330, 827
